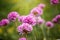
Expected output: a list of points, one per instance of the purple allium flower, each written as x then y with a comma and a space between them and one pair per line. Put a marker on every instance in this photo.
36, 11
20, 19
25, 28
30, 20
58, 18
12, 16
23, 38
4, 22
54, 1
49, 24
20, 29
41, 5
40, 20
54, 20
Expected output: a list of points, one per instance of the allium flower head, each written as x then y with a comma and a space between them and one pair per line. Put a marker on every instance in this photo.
58, 18
12, 16
40, 20
30, 20
21, 18
49, 24
54, 1
36, 11
20, 29
54, 20
25, 28
22, 38
41, 5
4, 22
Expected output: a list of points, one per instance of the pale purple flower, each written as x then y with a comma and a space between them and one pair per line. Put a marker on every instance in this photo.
54, 1
20, 29
30, 20
21, 18
25, 28
4, 22
54, 20
41, 5
23, 38
36, 11
40, 20
49, 24
12, 16
58, 18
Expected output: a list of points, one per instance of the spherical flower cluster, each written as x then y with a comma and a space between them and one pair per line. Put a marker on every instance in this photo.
54, 1
12, 16
30, 20
40, 20
21, 18
4, 22
23, 38
36, 11
24, 28
49, 24
56, 19
41, 5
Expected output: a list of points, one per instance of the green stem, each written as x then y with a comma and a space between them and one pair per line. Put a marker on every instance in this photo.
5, 33
34, 34
44, 32
26, 37
48, 33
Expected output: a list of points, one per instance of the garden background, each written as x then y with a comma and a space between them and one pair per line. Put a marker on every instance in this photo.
23, 7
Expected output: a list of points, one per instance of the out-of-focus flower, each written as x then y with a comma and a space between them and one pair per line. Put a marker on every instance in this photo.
20, 29
41, 5
23, 38
54, 1
36, 11
4, 22
40, 20
30, 20
12, 16
54, 20
25, 28
49, 24
20, 19
58, 18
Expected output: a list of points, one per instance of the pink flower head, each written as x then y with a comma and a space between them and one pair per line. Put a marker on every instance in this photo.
12, 16
25, 28
22, 38
20, 29
49, 24
21, 18
40, 20
54, 20
30, 20
4, 22
58, 18
41, 5
37, 11
54, 1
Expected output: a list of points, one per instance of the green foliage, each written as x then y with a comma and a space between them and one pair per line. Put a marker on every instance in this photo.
23, 7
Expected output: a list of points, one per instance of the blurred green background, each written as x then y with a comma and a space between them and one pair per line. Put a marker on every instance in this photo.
23, 7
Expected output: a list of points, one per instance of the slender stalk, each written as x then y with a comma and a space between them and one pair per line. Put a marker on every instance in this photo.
44, 32
5, 33
34, 34
48, 33
26, 37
